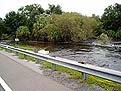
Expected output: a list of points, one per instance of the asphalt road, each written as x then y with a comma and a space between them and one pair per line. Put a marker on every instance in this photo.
21, 78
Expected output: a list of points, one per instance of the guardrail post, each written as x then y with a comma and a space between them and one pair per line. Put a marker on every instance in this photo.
37, 61
16, 53
83, 76
53, 67
24, 56
6, 49
11, 51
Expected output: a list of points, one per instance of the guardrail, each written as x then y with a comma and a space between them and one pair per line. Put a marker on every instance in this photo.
105, 73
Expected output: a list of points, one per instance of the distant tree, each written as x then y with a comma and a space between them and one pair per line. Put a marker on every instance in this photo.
118, 34
68, 24
112, 17
96, 17
23, 33
53, 33
12, 21
54, 9
2, 27
110, 33
89, 27
32, 12
40, 23
4, 36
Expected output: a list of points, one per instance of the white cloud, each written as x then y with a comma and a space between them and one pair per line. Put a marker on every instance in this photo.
85, 7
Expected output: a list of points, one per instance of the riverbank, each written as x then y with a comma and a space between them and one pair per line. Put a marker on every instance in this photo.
108, 57
107, 85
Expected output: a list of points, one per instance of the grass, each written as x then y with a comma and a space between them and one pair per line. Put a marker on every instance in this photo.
106, 84
1, 49
26, 47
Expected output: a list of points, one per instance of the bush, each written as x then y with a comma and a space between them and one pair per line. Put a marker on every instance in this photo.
118, 34
4, 37
110, 33
23, 33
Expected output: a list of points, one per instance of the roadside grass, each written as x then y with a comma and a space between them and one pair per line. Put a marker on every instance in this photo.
106, 84
25, 47
1, 49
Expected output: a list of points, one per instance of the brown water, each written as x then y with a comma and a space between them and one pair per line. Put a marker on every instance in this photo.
84, 52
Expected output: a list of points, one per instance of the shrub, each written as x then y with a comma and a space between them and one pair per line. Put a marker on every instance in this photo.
23, 33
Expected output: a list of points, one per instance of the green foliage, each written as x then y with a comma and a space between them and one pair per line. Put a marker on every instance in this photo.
32, 12
2, 27
103, 38
26, 47
23, 33
68, 24
112, 17
4, 37
75, 27
66, 27
54, 9
53, 33
118, 34
110, 33
53, 25
12, 21
37, 32
89, 26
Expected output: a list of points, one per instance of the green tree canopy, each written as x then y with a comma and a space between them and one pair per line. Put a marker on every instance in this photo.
40, 23
112, 17
23, 33
2, 27
32, 12
12, 21
54, 9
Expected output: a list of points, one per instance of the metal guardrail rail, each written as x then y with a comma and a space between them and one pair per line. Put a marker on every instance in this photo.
105, 73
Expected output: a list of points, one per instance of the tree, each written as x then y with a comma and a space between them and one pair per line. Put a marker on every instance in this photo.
53, 33
110, 33
68, 24
112, 17
89, 27
32, 12
75, 27
118, 34
12, 21
2, 27
54, 9
40, 23
23, 33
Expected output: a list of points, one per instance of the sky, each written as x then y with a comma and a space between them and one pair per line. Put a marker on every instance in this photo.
85, 7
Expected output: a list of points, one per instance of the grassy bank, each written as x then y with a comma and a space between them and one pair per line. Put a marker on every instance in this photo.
107, 85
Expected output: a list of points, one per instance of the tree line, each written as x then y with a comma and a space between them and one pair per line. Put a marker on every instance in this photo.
32, 22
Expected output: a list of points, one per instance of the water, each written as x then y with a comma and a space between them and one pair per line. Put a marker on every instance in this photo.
84, 52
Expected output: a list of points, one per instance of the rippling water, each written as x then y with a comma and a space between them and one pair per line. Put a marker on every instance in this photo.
100, 56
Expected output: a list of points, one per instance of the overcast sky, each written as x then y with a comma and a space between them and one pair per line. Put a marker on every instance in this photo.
85, 7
